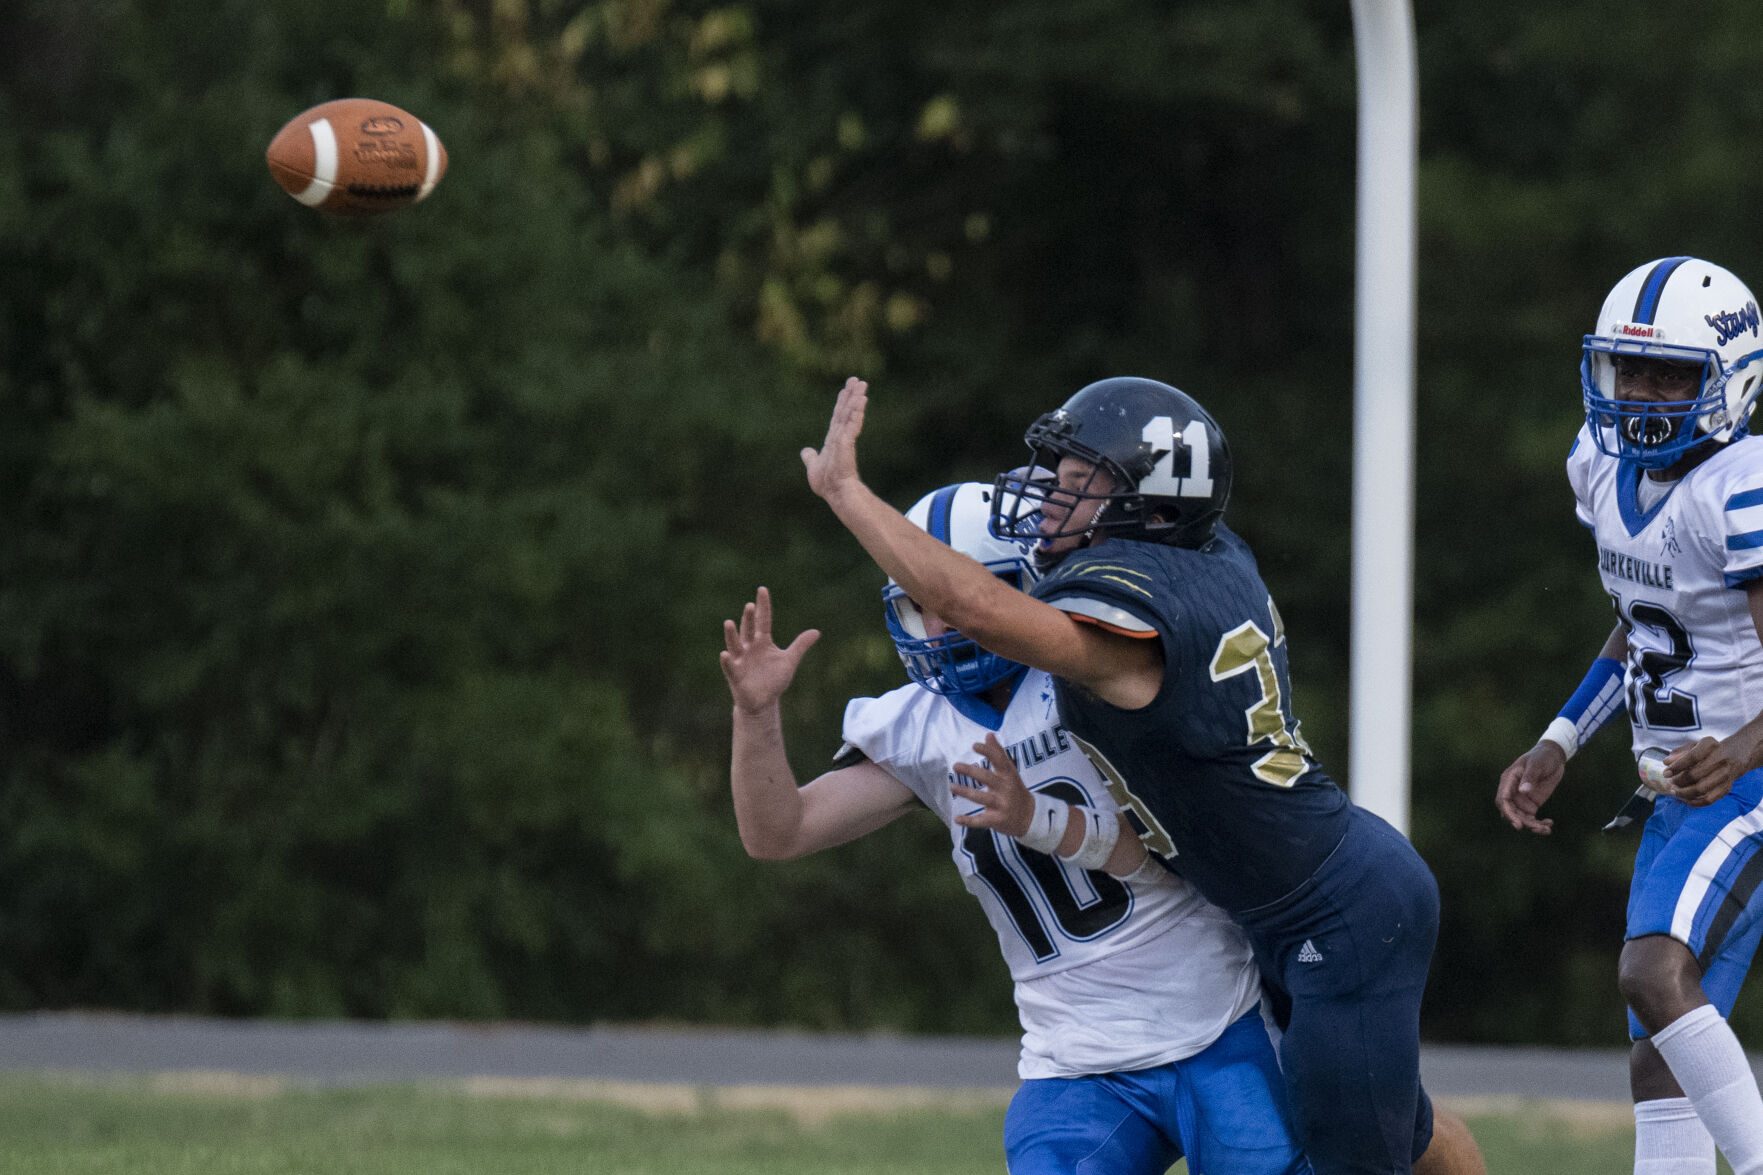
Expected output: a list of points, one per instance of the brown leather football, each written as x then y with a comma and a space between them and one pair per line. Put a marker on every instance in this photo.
357, 157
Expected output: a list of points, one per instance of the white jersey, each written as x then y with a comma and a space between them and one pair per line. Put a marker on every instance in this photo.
1109, 976
1676, 566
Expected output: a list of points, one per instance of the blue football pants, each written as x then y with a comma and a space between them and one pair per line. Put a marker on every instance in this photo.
1697, 877
1225, 1108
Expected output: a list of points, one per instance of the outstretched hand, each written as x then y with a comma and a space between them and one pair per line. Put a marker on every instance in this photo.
1006, 803
833, 466
759, 672
1528, 783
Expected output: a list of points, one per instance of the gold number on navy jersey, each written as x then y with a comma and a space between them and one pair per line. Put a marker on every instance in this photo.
1247, 649
1160, 434
1137, 812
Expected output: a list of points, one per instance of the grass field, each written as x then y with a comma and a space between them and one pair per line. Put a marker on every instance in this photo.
196, 1125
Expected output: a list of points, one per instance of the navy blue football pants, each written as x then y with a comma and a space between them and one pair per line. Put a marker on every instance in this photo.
1345, 957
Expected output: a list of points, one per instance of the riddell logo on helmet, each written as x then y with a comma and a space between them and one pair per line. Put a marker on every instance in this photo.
1730, 324
1637, 330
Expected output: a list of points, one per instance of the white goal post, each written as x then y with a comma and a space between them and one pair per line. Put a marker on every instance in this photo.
1381, 688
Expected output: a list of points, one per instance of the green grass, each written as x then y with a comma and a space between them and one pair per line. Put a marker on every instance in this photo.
137, 1127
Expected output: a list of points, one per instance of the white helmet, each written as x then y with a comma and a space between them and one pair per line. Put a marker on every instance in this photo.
1684, 310
961, 516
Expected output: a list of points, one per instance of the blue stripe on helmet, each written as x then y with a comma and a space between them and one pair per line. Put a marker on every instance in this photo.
1647, 305
941, 507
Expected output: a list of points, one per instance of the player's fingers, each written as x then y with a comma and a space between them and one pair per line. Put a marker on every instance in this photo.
841, 419
996, 757
728, 667
975, 795
1514, 798
1705, 785
1503, 805
1679, 761
1695, 766
803, 642
1515, 816
731, 636
848, 413
1527, 798
762, 613
975, 772
1521, 814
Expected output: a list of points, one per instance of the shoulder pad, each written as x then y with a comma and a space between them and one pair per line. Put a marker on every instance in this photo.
1115, 584
1109, 614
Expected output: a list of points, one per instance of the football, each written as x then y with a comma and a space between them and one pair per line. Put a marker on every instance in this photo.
357, 157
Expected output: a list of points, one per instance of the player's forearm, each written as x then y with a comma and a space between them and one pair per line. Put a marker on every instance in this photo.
1598, 699
1092, 839
768, 804
1129, 852
937, 577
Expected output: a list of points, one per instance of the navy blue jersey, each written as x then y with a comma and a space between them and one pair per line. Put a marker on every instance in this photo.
1213, 770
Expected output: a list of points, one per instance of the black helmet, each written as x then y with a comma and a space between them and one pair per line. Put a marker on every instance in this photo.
1166, 456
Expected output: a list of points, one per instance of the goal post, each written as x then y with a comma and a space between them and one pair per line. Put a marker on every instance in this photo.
1381, 680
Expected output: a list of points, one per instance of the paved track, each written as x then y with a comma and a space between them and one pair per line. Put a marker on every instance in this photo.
329, 1053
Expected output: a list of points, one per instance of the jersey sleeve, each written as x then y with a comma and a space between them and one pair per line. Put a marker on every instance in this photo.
1110, 586
890, 732
1579, 458
1739, 523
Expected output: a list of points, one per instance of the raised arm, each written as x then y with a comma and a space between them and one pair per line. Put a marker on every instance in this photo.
1122, 670
777, 820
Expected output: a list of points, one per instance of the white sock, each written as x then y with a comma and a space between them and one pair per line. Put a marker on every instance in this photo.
1708, 1063
1669, 1139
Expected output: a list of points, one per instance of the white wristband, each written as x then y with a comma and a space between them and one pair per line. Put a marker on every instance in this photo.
1047, 828
1563, 734
1101, 831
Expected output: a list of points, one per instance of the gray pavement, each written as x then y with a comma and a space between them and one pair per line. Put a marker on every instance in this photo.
340, 1054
